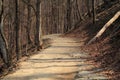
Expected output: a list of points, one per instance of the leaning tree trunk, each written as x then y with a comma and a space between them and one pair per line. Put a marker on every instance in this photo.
116, 16
3, 43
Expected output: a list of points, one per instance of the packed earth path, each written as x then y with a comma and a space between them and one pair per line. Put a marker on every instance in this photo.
63, 60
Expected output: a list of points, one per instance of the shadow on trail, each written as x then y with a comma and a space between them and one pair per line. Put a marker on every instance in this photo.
55, 75
81, 65
42, 76
65, 46
58, 60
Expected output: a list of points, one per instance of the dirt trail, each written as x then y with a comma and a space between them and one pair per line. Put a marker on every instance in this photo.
62, 61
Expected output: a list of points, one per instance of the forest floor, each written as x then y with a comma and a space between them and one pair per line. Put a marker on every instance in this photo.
63, 60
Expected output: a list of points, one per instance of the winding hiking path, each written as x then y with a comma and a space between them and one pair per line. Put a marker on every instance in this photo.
62, 61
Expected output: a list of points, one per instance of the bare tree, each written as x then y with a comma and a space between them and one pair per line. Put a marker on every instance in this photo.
88, 7
3, 43
37, 33
68, 16
94, 12
17, 30
29, 22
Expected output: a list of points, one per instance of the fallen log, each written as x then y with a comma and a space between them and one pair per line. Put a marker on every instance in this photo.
115, 17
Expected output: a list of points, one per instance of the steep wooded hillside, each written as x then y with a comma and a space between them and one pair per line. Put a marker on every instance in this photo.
106, 49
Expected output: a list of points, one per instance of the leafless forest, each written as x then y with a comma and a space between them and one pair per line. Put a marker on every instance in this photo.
24, 23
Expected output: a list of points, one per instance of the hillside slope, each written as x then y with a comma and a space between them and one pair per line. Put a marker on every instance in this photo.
106, 50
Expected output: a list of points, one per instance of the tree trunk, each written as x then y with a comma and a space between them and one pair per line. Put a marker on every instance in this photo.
105, 27
68, 16
79, 13
93, 9
88, 7
37, 33
17, 30
3, 43
28, 23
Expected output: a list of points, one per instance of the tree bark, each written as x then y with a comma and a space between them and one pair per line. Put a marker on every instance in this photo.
88, 7
3, 43
28, 23
37, 33
17, 31
68, 16
94, 12
79, 13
